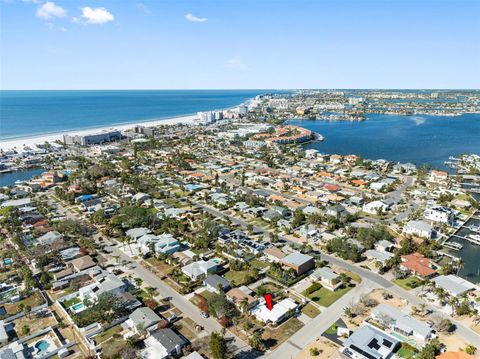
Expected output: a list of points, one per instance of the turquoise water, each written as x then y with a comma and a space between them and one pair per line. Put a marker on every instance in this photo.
42, 345
31, 113
78, 306
8, 261
417, 139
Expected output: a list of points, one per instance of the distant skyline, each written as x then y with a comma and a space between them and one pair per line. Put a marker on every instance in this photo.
233, 44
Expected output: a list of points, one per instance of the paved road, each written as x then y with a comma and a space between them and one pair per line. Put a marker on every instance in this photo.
322, 322
189, 310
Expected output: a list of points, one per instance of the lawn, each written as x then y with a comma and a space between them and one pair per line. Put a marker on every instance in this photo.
325, 297
332, 330
310, 310
70, 302
257, 263
236, 277
206, 294
112, 348
406, 351
407, 283
107, 334
354, 276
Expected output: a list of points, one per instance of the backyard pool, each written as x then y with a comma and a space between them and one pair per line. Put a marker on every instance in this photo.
78, 307
8, 261
42, 346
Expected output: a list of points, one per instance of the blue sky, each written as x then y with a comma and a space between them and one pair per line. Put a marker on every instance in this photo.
176, 44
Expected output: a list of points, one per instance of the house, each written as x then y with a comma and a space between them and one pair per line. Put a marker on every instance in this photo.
369, 342
274, 254
418, 228
109, 283
143, 318
136, 233
271, 215
164, 343
309, 231
311, 210
454, 285
402, 323
384, 246
199, 269
49, 238
3, 334
278, 313
327, 277
162, 244
438, 176
336, 211
82, 263
301, 263
140, 197
375, 207
418, 265
17, 203
378, 256
241, 295
440, 214
214, 282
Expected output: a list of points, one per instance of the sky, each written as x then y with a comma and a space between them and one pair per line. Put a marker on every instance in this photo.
233, 44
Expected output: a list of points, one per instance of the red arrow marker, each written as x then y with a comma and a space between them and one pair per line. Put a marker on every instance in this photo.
268, 301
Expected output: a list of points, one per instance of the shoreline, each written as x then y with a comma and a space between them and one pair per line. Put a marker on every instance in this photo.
19, 143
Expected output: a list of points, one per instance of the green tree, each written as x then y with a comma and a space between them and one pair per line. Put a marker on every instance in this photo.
218, 346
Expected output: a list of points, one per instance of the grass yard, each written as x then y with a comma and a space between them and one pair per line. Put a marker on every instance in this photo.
206, 294
257, 263
406, 351
332, 330
355, 277
70, 302
107, 334
407, 283
325, 297
237, 277
310, 310
33, 301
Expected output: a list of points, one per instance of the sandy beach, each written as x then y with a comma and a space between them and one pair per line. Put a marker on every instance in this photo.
19, 143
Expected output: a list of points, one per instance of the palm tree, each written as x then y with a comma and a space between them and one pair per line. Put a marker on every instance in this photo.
256, 341
454, 304
244, 305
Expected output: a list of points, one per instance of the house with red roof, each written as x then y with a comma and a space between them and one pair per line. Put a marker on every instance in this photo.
417, 264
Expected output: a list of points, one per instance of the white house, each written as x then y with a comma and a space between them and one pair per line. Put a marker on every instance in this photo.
418, 228
374, 207
199, 269
278, 313
440, 214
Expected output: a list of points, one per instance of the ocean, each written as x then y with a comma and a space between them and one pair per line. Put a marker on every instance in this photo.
32, 113
417, 139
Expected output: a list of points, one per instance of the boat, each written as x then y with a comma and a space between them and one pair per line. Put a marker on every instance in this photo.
474, 238
474, 228
453, 245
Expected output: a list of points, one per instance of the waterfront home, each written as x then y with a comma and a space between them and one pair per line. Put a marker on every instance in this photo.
454, 285
199, 269
370, 342
215, 283
438, 176
417, 264
327, 277
418, 228
299, 262
440, 214
402, 323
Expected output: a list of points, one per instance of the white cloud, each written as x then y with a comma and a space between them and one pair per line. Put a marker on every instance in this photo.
236, 64
143, 8
49, 11
98, 16
193, 18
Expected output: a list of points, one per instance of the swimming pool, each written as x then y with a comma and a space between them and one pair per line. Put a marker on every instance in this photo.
42, 346
8, 261
78, 307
